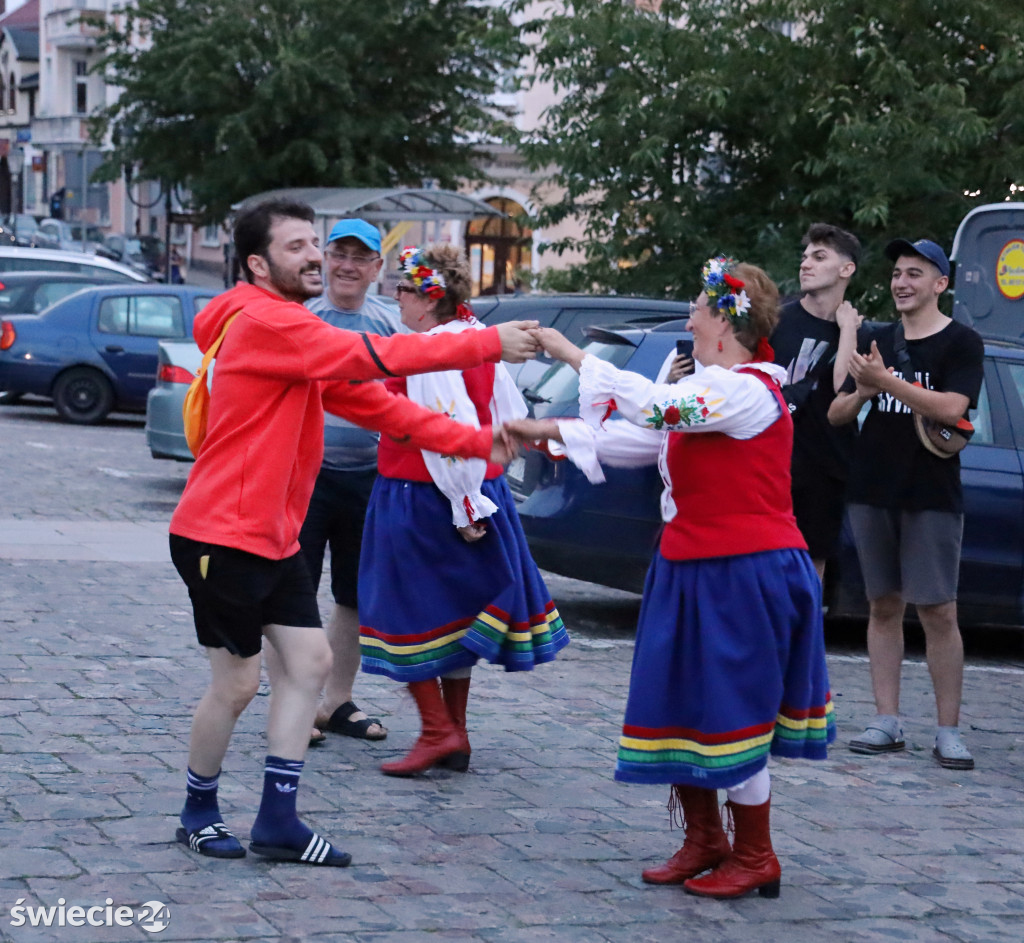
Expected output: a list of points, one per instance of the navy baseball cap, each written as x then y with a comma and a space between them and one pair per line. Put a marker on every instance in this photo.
359, 229
923, 247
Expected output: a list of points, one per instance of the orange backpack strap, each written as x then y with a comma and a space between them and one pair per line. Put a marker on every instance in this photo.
197, 398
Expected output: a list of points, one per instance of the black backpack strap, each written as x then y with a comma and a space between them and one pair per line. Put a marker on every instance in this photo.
899, 348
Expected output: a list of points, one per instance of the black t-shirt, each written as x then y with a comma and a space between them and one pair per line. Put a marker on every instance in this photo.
806, 346
891, 468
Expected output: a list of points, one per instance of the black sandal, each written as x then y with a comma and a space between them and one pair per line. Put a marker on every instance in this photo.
339, 722
214, 841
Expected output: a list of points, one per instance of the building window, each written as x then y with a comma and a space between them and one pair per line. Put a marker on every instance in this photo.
500, 250
14, 94
81, 90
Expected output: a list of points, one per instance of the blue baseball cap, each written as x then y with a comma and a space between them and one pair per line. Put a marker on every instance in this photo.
359, 229
923, 247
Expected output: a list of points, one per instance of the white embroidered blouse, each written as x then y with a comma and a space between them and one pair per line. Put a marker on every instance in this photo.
460, 479
713, 399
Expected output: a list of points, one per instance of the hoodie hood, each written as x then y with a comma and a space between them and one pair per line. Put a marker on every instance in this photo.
210, 321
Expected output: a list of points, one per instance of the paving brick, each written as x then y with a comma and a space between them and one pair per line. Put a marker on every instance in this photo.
100, 672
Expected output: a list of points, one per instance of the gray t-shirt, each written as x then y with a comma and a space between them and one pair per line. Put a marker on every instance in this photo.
348, 447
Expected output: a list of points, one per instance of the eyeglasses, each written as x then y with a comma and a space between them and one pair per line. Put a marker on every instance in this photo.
339, 257
405, 289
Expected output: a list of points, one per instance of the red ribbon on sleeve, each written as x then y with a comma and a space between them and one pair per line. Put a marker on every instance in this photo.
610, 407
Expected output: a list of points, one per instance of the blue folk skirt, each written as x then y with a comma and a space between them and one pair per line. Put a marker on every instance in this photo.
729, 666
429, 602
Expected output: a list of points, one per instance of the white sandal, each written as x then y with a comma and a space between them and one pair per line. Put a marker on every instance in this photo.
879, 737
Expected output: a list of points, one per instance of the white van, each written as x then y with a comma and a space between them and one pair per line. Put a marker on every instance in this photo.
24, 259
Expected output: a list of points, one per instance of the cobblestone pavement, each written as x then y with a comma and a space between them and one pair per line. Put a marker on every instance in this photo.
99, 673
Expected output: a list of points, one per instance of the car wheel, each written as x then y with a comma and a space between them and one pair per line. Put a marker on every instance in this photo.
8, 399
83, 395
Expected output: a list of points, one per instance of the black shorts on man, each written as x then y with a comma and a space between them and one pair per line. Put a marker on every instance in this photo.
235, 594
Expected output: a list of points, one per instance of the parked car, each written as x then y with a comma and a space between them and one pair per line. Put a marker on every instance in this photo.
31, 292
571, 315
177, 364
127, 250
608, 533
60, 234
29, 259
96, 350
22, 228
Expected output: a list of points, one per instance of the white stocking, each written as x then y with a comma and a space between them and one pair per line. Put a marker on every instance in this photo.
754, 791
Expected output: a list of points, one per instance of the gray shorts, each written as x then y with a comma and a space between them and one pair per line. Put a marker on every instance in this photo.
913, 553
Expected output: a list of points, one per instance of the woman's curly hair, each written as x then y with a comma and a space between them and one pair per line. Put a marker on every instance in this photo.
451, 262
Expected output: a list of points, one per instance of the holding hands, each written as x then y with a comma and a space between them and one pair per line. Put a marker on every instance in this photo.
558, 347
533, 430
509, 437
518, 340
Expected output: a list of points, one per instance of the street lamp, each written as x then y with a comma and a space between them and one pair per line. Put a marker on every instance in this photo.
16, 163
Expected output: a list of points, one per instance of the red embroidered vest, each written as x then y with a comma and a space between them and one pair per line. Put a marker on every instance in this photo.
732, 496
397, 460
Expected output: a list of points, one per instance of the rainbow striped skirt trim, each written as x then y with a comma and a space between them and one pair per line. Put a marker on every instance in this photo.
729, 667
430, 603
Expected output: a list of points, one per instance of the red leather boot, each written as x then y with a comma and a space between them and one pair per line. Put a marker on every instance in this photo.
455, 692
705, 844
752, 866
438, 737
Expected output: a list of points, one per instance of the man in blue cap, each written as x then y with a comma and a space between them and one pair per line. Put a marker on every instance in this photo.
352, 263
905, 499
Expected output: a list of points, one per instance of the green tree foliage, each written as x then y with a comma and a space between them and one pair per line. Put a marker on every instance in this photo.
690, 128
228, 97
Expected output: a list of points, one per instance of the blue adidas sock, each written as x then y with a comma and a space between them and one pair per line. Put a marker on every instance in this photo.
277, 822
200, 812
201, 807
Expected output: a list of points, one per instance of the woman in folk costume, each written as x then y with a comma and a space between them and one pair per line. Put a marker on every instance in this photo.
445, 576
729, 663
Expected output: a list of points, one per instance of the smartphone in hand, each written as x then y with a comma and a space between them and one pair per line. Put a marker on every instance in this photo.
684, 348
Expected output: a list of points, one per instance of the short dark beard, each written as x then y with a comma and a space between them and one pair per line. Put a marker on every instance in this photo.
290, 287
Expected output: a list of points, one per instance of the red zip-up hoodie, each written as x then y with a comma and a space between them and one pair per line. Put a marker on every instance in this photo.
277, 370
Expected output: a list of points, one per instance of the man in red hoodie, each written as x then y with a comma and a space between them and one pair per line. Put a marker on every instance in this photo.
234, 535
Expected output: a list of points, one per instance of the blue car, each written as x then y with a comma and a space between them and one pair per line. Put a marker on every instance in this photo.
96, 350
608, 533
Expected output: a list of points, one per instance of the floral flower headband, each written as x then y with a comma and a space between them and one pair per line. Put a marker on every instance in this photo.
427, 281
725, 291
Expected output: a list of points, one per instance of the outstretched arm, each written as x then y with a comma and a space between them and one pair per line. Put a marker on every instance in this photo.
371, 406
331, 353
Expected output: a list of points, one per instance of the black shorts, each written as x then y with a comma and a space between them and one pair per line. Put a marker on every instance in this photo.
337, 512
238, 593
818, 506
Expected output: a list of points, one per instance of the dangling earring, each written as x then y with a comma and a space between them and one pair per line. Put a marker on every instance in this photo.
720, 348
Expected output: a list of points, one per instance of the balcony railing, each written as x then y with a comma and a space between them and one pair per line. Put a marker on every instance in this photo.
63, 26
59, 130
